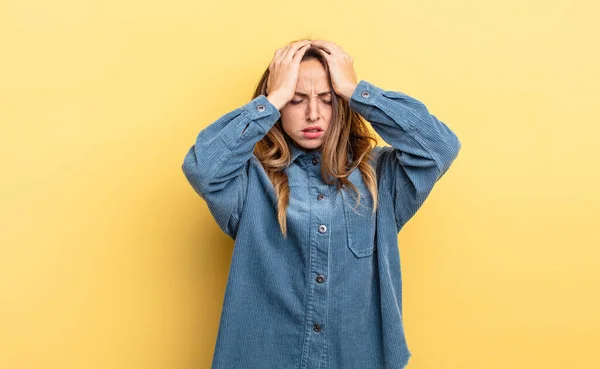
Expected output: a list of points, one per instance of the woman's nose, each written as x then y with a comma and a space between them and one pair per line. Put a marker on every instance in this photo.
313, 110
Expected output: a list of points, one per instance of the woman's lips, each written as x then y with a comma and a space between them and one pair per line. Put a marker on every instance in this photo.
312, 134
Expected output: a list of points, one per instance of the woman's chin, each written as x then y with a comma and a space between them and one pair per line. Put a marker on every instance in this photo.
310, 144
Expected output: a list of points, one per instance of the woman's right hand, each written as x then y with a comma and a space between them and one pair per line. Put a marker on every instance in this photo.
283, 73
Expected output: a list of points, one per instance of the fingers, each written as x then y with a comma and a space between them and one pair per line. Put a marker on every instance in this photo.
331, 50
284, 50
288, 52
300, 53
292, 49
295, 51
277, 57
328, 46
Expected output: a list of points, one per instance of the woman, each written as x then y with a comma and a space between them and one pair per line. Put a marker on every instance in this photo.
315, 279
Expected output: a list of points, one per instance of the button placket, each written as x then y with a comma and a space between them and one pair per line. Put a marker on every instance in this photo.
320, 217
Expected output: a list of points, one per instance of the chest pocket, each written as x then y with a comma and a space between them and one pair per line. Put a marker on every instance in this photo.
360, 222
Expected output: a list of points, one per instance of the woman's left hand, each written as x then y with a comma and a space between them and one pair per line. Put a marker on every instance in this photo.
341, 68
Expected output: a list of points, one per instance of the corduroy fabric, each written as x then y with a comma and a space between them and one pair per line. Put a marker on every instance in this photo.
330, 295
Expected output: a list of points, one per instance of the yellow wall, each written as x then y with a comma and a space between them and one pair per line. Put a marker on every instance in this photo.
110, 260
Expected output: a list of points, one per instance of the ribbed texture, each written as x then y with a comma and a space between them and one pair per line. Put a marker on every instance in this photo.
273, 299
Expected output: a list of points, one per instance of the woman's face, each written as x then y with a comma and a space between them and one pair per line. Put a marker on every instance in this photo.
307, 116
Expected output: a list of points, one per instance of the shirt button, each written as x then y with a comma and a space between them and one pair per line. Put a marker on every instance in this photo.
322, 228
315, 161
317, 327
260, 108
365, 94
320, 197
320, 279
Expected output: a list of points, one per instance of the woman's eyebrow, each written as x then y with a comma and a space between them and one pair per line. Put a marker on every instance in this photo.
319, 94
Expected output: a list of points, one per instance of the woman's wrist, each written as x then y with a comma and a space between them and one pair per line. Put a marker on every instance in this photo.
348, 91
278, 101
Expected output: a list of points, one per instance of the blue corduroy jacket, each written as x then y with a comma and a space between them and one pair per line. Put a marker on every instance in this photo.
330, 294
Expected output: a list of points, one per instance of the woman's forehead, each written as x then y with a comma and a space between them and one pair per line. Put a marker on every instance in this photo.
312, 78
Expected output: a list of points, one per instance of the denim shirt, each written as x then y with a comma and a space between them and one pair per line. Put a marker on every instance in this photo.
330, 294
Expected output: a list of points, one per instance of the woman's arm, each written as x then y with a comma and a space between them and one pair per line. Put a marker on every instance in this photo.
216, 165
422, 147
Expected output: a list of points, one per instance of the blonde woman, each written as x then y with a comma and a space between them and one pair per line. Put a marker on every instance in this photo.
314, 207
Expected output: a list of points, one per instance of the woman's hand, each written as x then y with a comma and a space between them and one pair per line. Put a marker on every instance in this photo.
283, 73
341, 68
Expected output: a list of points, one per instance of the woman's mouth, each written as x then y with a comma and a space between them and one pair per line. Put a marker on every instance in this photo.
312, 132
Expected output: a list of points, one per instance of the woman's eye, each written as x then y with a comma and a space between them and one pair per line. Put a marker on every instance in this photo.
296, 102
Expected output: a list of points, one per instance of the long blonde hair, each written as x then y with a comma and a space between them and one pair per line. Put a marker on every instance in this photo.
347, 134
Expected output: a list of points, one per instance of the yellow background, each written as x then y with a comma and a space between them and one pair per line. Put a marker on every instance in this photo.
110, 260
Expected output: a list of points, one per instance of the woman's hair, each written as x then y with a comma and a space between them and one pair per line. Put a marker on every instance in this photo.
347, 136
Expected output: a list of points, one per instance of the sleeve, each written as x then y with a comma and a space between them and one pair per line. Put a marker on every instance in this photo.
217, 164
422, 147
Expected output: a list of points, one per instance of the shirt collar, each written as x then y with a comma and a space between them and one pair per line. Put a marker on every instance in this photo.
297, 151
